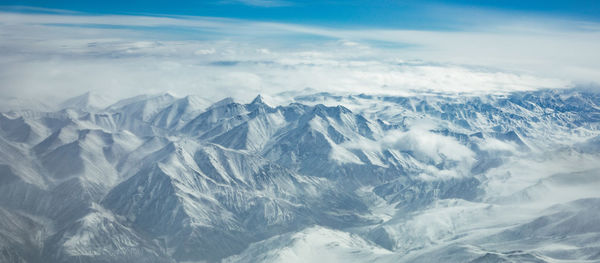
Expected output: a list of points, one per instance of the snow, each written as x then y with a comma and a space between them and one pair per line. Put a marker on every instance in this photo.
314, 244
330, 177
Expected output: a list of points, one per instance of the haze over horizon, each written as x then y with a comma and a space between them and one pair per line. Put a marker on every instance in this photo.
53, 50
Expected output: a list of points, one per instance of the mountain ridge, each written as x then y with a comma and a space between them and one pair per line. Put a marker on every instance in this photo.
164, 179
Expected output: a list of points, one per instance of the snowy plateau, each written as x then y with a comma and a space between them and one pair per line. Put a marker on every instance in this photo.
315, 177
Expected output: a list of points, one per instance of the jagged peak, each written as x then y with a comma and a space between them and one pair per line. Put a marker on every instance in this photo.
223, 102
193, 101
343, 109
330, 111
258, 105
258, 100
320, 107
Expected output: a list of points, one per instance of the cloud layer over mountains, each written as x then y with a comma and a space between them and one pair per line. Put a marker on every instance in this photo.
48, 55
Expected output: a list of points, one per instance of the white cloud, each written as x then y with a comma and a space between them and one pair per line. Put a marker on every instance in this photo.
53, 56
491, 144
428, 147
205, 51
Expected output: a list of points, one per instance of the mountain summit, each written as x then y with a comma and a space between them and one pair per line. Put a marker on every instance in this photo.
159, 178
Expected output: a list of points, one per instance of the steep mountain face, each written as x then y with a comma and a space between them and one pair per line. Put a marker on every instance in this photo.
156, 178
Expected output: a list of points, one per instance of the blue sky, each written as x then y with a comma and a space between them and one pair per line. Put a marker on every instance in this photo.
409, 14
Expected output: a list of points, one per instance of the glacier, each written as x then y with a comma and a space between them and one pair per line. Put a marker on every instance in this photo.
510, 177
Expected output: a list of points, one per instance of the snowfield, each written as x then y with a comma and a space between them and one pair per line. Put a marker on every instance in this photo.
321, 178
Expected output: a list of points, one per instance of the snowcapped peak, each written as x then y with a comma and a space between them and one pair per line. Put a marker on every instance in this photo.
223, 102
90, 100
170, 94
165, 178
320, 107
342, 109
258, 100
258, 104
336, 111
193, 103
196, 100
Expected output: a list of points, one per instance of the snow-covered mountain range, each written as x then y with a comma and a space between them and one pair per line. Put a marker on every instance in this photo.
326, 177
